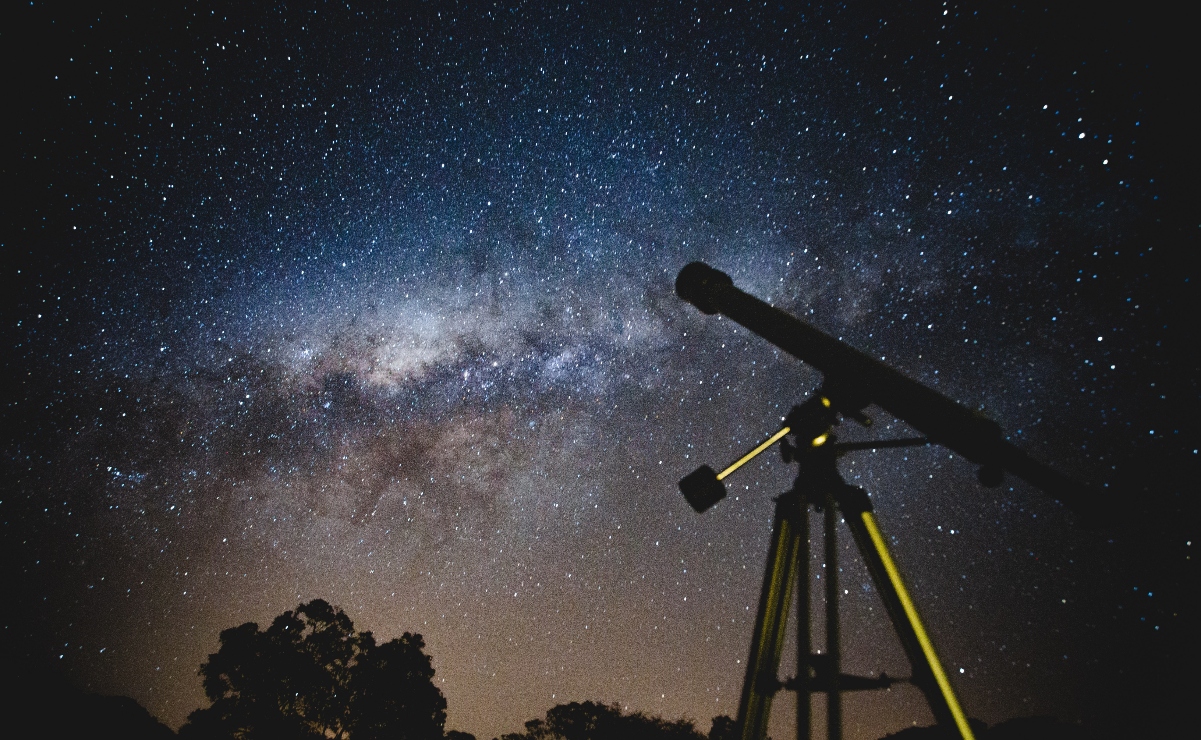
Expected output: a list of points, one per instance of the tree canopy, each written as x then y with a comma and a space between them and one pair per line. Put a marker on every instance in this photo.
593, 721
312, 675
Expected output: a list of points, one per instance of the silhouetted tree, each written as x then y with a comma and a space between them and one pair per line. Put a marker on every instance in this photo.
311, 675
592, 721
393, 693
723, 728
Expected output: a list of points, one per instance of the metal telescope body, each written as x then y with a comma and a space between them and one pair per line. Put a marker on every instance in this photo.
855, 380
852, 381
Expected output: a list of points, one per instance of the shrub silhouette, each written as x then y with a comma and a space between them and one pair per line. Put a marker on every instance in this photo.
594, 721
41, 703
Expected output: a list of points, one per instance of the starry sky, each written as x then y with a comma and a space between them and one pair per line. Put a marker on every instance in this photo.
374, 303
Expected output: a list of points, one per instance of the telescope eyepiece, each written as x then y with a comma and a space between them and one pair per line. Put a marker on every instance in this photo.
700, 285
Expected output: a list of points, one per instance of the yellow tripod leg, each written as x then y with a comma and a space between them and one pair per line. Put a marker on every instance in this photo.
767, 642
915, 623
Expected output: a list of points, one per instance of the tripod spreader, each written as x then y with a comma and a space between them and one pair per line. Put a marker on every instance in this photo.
821, 679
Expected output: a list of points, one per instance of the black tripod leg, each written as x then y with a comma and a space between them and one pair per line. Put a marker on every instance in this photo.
802, 684
767, 642
928, 674
833, 639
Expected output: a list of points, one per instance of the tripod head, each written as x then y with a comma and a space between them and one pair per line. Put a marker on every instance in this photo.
810, 425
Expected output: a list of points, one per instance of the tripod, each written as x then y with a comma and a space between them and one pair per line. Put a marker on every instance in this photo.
818, 484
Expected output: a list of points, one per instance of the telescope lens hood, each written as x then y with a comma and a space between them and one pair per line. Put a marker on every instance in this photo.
701, 285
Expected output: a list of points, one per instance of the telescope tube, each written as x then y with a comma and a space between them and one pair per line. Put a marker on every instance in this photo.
853, 380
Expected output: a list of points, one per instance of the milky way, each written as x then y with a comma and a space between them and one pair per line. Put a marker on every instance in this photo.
376, 305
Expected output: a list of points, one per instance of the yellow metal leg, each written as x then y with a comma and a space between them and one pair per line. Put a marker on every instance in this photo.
767, 642
898, 586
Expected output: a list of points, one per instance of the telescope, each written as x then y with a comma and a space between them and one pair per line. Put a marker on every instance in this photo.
853, 380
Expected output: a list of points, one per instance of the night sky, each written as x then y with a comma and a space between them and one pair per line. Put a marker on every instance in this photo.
375, 304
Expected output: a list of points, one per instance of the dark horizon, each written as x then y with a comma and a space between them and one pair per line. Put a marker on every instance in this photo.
38, 701
375, 305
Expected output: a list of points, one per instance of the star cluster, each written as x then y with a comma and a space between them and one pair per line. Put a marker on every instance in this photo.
375, 304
